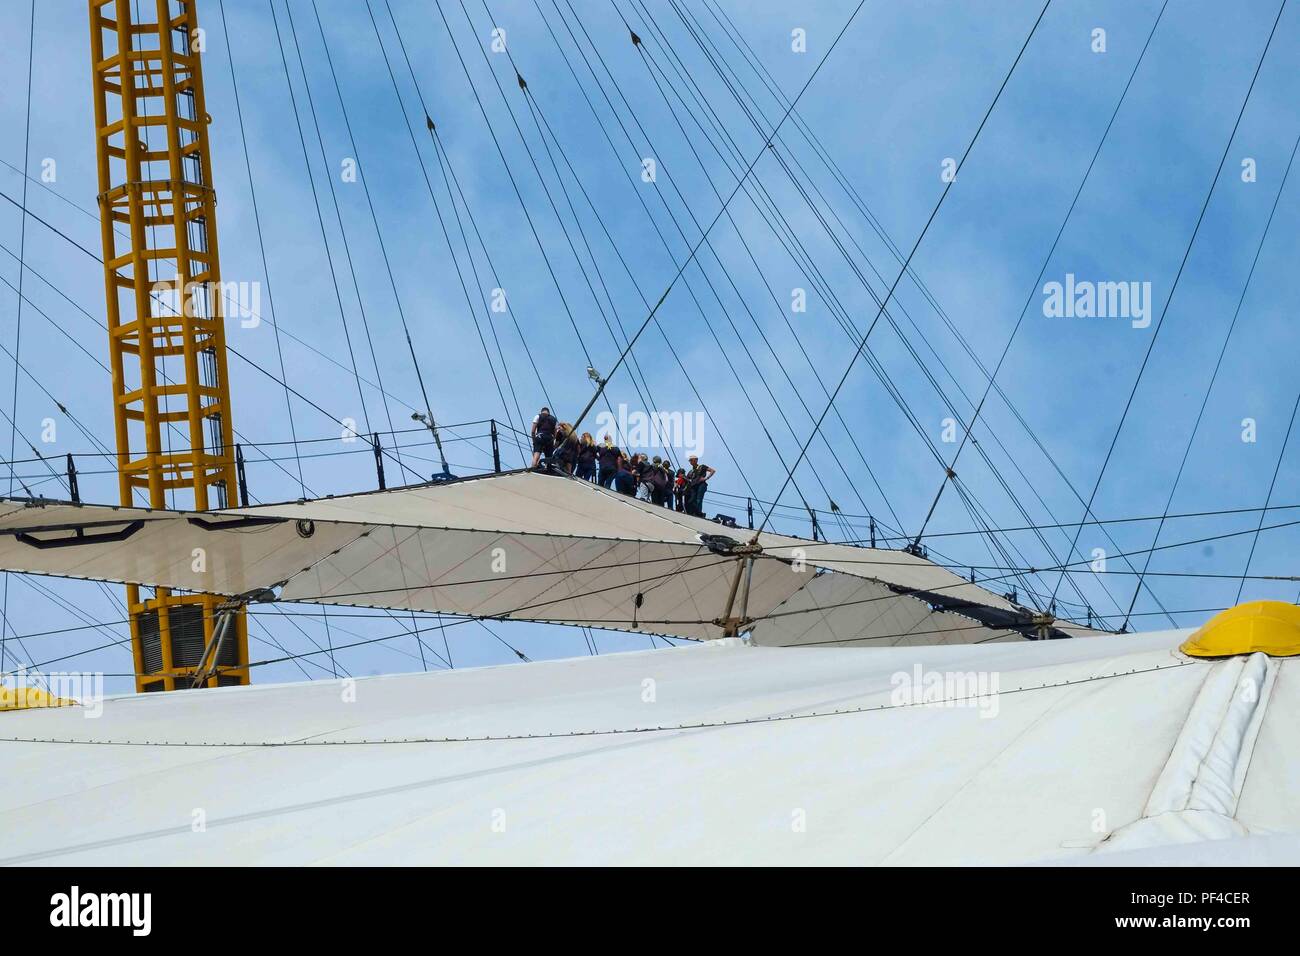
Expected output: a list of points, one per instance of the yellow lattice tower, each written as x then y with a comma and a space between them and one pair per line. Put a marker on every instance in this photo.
171, 398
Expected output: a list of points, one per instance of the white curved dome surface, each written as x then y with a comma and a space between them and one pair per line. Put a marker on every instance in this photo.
718, 753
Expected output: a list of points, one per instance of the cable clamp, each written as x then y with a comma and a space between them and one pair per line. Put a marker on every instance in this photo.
729, 547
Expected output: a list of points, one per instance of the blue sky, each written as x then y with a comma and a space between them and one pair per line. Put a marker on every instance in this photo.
904, 90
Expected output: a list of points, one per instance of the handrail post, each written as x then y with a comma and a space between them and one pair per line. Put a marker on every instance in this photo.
873, 530
496, 449
72, 480
243, 478
379, 460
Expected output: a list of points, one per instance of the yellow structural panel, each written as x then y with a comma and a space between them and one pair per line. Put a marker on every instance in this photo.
26, 698
1266, 627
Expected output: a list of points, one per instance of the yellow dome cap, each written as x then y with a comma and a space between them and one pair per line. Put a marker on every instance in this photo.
1269, 627
26, 698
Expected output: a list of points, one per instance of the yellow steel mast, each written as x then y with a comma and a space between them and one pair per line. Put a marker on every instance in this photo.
164, 297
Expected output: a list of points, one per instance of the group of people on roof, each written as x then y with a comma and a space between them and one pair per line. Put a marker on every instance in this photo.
556, 447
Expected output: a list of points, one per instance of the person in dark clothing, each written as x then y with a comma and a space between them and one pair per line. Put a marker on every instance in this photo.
624, 480
543, 435
607, 458
679, 489
587, 458
635, 467
566, 448
657, 480
653, 475
697, 483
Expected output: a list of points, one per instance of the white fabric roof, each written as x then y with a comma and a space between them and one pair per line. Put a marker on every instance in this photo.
519, 545
1117, 744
